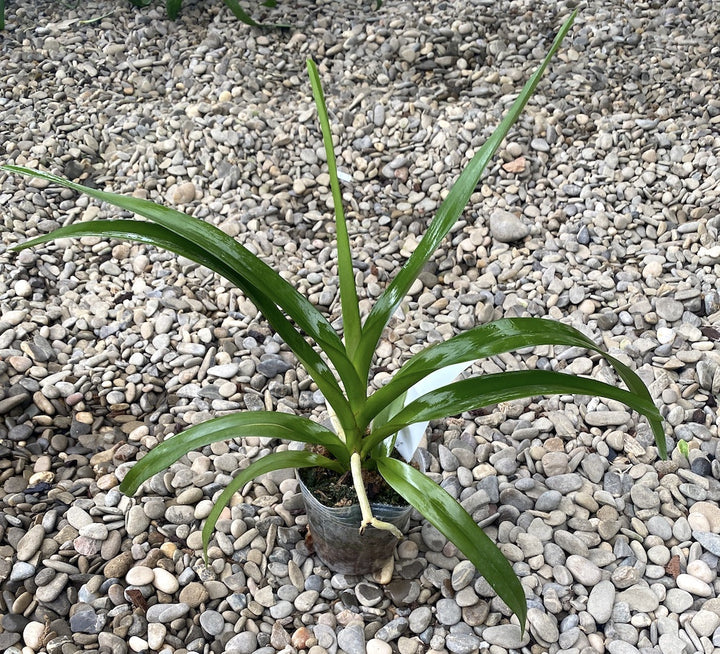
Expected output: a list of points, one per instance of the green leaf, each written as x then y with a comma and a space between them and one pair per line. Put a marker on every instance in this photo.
270, 462
257, 280
446, 217
492, 339
161, 237
2, 14
244, 17
450, 519
478, 392
240, 13
348, 293
173, 8
264, 424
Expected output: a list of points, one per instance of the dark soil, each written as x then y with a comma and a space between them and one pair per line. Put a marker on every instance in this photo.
333, 489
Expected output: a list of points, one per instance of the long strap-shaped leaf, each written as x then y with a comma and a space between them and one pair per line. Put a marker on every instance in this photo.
246, 265
488, 340
244, 17
348, 293
270, 462
265, 424
159, 236
478, 392
446, 217
441, 510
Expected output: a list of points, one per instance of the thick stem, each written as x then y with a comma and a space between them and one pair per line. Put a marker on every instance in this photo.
367, 517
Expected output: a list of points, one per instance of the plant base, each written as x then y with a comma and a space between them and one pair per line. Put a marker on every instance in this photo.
336, 538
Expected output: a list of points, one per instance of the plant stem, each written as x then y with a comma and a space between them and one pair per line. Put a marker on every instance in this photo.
367, 516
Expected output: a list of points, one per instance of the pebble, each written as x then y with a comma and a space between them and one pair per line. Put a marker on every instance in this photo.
352, 638
506, 227
693, 585
506, 635
30, 543
584, 571
709, 541
601, 601
212, 622
165, 581
140, 576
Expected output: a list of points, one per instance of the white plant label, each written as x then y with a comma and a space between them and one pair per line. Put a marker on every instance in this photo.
409, 438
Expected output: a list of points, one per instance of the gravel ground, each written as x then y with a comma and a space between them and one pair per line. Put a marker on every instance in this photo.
600, 210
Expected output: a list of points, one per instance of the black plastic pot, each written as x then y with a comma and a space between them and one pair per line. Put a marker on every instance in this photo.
336, 538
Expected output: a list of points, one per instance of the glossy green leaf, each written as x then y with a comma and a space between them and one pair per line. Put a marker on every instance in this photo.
348, 293
478, 392
270, 462
446, 217
224, 247
264, 424
492, 339
158, 236
450, 519
256, 279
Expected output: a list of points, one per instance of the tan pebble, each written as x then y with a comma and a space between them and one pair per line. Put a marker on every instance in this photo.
710, 511
140, 576
698, 522
168, 549
165, 581
184, 193
41, 477
118, 566
194, 594
384, 575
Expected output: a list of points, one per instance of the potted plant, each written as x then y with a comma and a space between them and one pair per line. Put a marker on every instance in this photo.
367, 427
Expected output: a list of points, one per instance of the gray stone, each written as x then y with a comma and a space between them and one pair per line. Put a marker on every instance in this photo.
212, 622
87, 622
136, 521
243, 643
392, 630
548, 501
419, 619
462, 643
600, 601
352, 638
639, 598
584, 571
506, 227
677, 600
566, 483
669, 309
506, 635
543, 625
448, 612
644, 497
166, 613
710, 541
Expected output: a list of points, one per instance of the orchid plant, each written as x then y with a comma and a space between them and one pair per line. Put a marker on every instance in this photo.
368, 425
